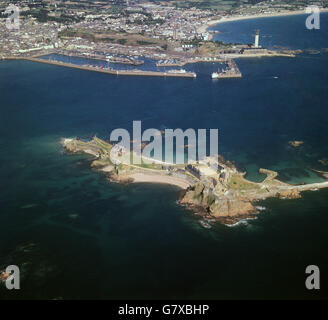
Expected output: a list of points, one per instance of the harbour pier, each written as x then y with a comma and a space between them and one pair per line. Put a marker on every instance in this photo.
136, 72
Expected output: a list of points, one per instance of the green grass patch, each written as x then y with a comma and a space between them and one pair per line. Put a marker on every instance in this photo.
237, 182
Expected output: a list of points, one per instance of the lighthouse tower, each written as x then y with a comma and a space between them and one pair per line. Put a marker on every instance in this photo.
257, 38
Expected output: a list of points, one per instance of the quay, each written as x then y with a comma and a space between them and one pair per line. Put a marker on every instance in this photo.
189, 61
160, 64
268, 54
112, 59
229, 75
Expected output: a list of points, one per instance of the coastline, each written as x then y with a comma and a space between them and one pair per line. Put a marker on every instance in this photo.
227, 199
212, 23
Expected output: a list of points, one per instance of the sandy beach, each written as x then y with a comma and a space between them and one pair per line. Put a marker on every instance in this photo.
265, 15
149, 178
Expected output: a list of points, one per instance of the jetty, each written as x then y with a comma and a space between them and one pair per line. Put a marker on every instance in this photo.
229, 75
310, 186
231, 71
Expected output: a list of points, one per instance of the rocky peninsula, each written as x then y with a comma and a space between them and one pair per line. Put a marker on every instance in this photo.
212, 187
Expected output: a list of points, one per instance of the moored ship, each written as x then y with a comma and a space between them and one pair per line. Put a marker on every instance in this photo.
182, 71
215, 75
177, 71
231, 71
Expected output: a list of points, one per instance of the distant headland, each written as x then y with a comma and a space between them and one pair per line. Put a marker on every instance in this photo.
237, 17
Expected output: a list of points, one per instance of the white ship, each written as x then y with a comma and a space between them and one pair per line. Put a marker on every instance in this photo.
182, 71
177, 71
215, 75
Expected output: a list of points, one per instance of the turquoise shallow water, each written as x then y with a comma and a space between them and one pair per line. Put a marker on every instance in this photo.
75, 235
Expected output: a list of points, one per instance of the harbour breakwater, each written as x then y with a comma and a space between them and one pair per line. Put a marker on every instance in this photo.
236, 74
136, 72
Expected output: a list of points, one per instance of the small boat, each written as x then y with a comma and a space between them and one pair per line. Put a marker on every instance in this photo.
260, 208
205, 224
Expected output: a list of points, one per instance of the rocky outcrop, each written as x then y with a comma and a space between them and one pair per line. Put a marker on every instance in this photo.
289, 194
201, 194
122, 179
193, 195
231, 208
104, 166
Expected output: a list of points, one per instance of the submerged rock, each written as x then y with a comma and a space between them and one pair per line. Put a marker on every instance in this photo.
321, 173
296, 143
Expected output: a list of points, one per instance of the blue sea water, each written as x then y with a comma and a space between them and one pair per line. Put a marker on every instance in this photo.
284, 31
76, 235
